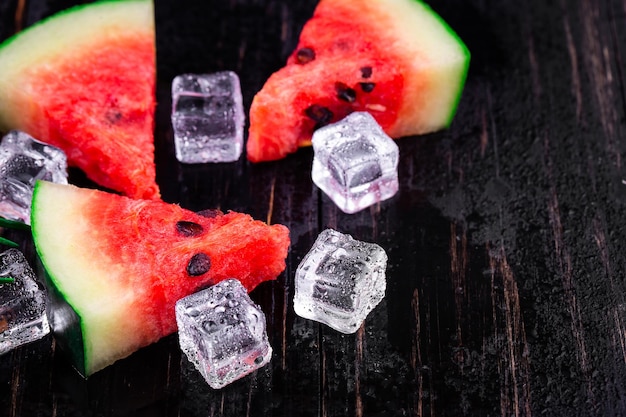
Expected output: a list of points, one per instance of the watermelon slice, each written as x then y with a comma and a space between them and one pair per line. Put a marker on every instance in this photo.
84, 81
396, 59
116, 266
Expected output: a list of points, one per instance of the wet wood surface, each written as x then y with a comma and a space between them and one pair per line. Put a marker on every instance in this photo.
506, 288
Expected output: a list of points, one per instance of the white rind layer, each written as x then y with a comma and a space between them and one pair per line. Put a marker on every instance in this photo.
434, 53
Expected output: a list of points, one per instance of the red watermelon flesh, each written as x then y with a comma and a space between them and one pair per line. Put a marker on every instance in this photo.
84, 80
395, 59
121, 264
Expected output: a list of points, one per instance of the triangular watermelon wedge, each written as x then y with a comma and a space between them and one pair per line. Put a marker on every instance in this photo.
116, 266
84, 80
396, 59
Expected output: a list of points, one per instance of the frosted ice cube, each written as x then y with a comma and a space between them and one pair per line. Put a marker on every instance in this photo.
340, 281
207, 117
24, 160
22, 303
355, 163
222, 332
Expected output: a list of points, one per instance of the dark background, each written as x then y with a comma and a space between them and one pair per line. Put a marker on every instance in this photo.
506, 241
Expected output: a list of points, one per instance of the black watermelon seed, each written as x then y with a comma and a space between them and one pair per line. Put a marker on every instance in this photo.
366, 72
188, 229
367, 87
344, 92
320, 114
305, 55
199, 264
209, 213
113, 116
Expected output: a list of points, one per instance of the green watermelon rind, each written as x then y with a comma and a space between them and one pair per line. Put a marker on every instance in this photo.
62, 313
457, 101
69, 335
72, 340
464, 51
62, 14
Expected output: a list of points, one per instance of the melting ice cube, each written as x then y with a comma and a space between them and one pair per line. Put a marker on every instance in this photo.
355, 162
222, 332
207, 117
23, 161
22, 303
340, 281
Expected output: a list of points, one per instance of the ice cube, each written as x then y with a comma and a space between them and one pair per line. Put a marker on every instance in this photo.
222, 332
24, 160
207, 117
355, 163
340, 281
22, 303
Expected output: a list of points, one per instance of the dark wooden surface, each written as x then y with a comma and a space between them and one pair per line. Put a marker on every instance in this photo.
507, 240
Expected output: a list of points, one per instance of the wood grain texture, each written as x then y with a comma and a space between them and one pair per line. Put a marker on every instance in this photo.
506, 290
